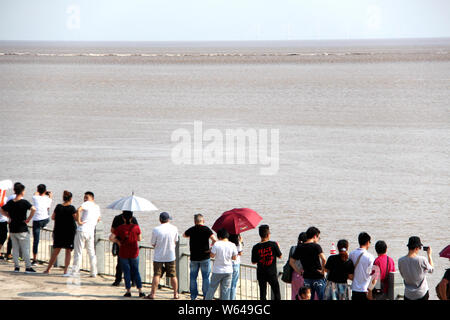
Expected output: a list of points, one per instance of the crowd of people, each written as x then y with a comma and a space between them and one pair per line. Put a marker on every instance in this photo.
310, 273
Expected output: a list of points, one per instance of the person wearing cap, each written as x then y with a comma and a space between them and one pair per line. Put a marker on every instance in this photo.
414, 268
164, 240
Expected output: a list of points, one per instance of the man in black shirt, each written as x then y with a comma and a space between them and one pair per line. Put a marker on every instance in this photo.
313, 261
118, 220
264, 255
199, 236
16, 209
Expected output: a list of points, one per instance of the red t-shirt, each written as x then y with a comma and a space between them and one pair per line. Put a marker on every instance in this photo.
128, 236
382, 264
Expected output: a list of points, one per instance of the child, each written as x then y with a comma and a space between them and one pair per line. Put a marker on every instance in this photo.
265, 254
304, 293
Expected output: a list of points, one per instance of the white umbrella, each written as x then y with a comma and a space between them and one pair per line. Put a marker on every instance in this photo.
6, 184
132, 203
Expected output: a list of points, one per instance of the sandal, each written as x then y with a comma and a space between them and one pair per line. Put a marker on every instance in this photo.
176, 296
149, 297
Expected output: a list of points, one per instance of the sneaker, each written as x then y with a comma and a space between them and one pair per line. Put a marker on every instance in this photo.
9, 257
16, 269
116, 284
34, 263
93, 275
67, 275
141, 294
128, 294
30, 270
2, 258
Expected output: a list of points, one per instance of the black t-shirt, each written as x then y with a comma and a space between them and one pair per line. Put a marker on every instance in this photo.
17, 211
199, 242
64, 221
447, 275
338, 270
308, 254
118, 221
265, 255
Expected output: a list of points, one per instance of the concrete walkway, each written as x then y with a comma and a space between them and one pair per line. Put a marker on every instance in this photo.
40, 286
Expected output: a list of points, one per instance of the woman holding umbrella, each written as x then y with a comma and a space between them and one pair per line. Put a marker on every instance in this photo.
127, 237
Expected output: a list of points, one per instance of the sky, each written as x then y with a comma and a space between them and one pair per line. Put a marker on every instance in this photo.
222, 20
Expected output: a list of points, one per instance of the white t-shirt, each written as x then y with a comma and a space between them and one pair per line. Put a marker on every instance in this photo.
238, 257
42, 205
164, 238
90, 215
362, 273
224, 251
2, 217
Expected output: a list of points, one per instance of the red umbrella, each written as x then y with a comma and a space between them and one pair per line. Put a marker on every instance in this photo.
445, 253
237, 220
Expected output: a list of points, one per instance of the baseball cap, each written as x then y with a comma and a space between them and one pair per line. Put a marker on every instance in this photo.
164, 216
414, 242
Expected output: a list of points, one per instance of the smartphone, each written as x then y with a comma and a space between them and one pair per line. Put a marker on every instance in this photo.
425, 248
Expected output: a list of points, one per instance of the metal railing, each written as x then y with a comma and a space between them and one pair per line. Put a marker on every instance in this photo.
247, 286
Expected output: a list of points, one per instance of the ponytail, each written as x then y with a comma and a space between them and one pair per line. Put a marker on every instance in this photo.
343, 249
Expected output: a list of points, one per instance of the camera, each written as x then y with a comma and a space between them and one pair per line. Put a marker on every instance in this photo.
47, 193
425, 248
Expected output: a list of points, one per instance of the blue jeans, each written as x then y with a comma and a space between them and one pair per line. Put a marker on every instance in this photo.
222, 279
205, 266
130, 268
234, 281
37, 226
317, 286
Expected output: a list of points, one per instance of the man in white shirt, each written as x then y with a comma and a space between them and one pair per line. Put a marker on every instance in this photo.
42, 201
164, 240
88, 215
363, 263
224, 253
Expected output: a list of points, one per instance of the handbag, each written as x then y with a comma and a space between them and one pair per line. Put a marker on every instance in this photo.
378, 293
287, 269
115, 249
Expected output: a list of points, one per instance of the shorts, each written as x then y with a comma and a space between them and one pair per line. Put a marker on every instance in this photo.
168, 267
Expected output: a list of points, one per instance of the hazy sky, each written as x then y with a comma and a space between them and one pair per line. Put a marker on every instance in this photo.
171, 20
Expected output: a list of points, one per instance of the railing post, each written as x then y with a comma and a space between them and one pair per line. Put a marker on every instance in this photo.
100, 248
143, 264
182, 263
396, 288
60, 259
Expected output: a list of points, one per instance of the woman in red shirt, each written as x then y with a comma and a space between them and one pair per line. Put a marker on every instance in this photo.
127, 237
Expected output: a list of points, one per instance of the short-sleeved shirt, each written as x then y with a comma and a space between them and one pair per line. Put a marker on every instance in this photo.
42, 205
64, 221
224, 251
447, 275
363, 271
164, 238
89, 215
118, 221
17, 211
381, 262
338, 270
128, 235
265, 255
308, 254
413, 271
199, 242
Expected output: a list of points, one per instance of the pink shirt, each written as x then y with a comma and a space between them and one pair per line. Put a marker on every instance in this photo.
381, 263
